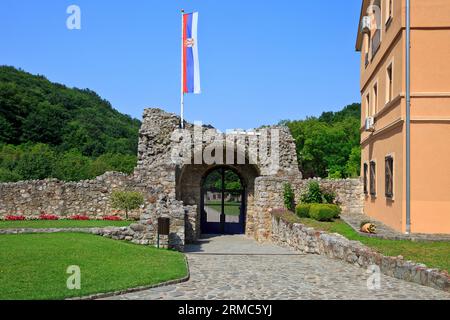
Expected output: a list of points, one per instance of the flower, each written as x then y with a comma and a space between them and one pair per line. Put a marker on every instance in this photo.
79, 217
14, 218
44, 216
112, 218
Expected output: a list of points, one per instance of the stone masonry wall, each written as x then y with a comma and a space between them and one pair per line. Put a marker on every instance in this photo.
90, 197
308, 240
269, 195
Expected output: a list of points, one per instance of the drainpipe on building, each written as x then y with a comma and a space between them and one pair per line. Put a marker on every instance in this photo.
408, 117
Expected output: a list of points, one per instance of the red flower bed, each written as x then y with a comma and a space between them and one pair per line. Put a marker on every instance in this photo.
79, 217
112, 218
44, 216
14, 218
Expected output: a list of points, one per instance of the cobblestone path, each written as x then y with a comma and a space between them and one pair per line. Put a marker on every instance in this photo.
233, 267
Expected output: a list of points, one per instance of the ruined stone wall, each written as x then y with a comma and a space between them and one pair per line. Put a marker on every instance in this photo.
269, 195
172, 189
90, 197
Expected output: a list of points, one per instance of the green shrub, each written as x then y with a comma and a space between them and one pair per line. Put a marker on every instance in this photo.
289, 197
317, 194
313, 194
302, 210
324, 212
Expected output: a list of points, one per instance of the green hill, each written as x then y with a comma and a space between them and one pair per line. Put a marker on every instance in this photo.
329, 146
74, 132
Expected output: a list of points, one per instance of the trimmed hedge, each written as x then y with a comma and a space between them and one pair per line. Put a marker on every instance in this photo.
302, 210
324, 212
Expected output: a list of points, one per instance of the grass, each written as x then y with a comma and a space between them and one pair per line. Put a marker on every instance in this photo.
231, 208
42, 224
33, 266
433, 254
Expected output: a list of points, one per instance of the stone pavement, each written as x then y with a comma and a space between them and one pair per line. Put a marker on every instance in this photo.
235, 267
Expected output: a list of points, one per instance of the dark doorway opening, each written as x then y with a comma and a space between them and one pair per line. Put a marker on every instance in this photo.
223, 202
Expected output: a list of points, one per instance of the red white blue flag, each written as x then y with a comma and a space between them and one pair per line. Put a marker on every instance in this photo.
191, 69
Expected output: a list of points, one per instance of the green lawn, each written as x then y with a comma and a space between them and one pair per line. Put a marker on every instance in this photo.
33, 266
40, 224
231, 208
433, 254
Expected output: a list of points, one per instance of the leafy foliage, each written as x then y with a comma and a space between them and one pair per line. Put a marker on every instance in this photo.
289, 197
302, 210
49, 130
328, 146
126, 200
324, 212
316, 194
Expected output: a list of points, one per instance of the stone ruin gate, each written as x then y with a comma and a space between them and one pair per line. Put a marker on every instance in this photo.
194, 194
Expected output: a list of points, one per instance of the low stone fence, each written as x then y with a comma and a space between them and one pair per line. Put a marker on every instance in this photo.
89, 197
308, 240
269, 195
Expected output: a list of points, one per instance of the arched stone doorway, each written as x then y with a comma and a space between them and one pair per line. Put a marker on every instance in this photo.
223, 202
190, 183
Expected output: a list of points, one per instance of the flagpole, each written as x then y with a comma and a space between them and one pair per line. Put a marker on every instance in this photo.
182, 72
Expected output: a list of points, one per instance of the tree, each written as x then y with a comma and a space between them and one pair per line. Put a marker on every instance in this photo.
36, 162
72, 166
326, 144
126, 200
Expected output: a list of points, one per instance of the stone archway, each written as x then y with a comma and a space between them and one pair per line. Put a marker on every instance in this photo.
189, 190
168, 165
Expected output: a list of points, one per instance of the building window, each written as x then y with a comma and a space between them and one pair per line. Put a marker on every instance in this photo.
375, 99
367, 47
389, 11
365, 169
368, 114
389, 176
373, 191
375, 32
390, 83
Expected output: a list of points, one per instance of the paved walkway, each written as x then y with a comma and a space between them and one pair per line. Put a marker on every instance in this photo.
234, 267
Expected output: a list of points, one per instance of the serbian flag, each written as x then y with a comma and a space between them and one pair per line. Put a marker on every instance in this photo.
191, 69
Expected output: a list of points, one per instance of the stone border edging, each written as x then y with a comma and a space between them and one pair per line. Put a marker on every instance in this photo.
308, 240
137, 289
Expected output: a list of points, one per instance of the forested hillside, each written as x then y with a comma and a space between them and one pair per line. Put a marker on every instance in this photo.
329, 146
50, 130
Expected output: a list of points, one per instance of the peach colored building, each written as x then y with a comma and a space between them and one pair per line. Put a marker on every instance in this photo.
382, 42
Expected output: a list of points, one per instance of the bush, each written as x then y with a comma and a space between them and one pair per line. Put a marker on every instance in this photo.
316, 194
302, 210
313, 194
9, 176
324, 212
126, 200
289, 197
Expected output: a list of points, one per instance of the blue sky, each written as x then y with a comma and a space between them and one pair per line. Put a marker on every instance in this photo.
260, 61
